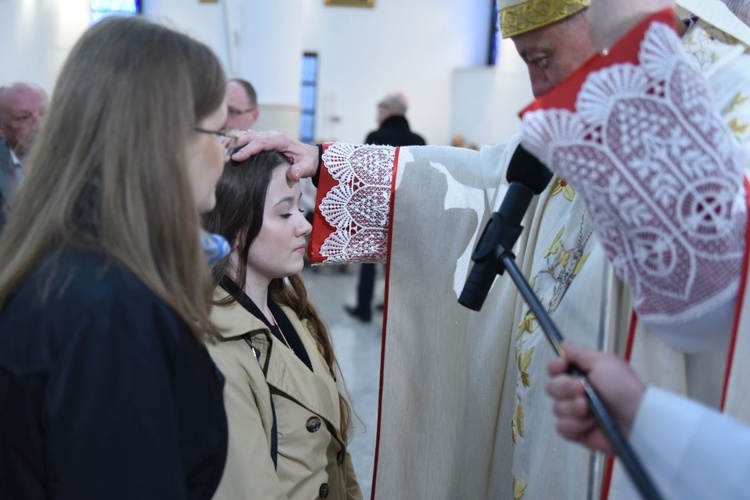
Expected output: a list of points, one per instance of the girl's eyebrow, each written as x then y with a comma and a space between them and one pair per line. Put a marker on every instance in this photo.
287, 199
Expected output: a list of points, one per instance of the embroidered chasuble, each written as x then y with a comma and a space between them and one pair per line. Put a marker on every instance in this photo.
463, 413
637, 132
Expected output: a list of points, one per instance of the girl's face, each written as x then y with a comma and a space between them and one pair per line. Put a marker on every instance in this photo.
205, 159
278, 250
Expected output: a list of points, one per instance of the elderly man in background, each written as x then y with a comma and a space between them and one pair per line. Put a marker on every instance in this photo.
242, 105
22, 106
463, 410
393, 130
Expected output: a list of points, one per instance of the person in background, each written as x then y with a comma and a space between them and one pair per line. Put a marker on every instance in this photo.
22, 106
393, 127
288, 422
393, 130
690, 450
242, 105
106, 387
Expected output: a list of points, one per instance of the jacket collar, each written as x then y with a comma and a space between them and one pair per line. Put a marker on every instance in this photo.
316, 390
396, 121
233, 321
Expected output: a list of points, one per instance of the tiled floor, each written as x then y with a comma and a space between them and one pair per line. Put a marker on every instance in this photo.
357, 347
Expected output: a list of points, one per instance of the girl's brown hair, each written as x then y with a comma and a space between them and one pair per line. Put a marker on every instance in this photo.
238, 216
108, 169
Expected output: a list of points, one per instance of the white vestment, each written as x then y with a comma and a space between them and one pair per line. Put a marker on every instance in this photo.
691, 450
463, 410
661, 172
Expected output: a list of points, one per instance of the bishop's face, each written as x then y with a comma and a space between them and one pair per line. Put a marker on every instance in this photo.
553, 52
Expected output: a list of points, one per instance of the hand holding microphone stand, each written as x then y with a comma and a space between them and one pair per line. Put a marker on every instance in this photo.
493, 255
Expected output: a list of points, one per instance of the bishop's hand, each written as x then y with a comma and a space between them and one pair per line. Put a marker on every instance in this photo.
305, 157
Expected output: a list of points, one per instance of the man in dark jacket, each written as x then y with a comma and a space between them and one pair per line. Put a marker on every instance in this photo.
394, 131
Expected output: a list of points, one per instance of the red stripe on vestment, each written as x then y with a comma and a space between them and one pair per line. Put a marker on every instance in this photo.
740, 299
385, 318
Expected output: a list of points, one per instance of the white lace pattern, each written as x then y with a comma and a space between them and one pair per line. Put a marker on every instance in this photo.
359, 205
660, 176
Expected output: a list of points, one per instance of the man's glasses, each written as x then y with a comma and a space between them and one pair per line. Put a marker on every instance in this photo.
237, 112
227, 138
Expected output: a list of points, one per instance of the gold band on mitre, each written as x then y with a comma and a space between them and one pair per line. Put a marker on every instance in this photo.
532, 14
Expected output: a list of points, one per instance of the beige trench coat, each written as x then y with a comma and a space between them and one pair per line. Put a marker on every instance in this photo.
313, 462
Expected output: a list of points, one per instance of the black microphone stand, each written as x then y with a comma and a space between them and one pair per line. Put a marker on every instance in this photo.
504, 259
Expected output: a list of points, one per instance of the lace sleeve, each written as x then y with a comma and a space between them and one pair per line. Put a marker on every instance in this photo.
660, 174
354, 204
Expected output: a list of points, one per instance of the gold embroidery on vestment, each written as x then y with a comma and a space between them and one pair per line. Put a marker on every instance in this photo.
561, 186
738, 129
519, 488
739, 99
517, 424
524, 360
563, 265
526, 325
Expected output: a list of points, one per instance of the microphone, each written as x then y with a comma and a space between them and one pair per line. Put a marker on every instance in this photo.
527, 177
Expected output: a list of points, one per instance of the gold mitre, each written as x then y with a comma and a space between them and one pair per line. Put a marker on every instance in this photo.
520, 16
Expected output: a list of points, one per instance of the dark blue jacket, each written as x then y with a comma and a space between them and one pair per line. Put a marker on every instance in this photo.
104, 392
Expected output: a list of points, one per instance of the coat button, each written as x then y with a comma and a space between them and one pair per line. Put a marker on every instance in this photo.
323, 490
340, 457
313, 425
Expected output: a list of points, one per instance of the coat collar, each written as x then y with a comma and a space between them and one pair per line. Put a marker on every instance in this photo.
233, 321
395, 122
284, 371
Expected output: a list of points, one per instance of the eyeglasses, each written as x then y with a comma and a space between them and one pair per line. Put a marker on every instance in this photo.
236, 112
227, 138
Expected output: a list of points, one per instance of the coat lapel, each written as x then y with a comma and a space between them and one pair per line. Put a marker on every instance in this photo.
285, 372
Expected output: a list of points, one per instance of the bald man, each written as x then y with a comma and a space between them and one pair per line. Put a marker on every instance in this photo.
242, 105
22, 106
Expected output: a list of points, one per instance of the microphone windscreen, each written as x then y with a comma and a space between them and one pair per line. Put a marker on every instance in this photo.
526, 169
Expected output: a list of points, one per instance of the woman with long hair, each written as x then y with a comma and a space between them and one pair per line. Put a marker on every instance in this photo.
288, 421
106, 388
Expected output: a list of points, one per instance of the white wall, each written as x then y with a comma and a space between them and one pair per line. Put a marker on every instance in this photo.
408, 45
36, 37
486, 100
432, 50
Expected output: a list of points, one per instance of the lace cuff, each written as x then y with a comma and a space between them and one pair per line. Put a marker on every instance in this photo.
636, 133
354, 203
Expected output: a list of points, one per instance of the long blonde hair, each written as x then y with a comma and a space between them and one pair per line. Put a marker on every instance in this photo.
108, 169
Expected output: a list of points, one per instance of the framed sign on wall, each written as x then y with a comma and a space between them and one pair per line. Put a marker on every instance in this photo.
352, 3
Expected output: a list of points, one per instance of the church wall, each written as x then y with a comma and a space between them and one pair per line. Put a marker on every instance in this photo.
486, 100
420, 47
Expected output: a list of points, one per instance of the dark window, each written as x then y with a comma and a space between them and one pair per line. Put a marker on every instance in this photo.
494, 42
105, 8
308, 97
